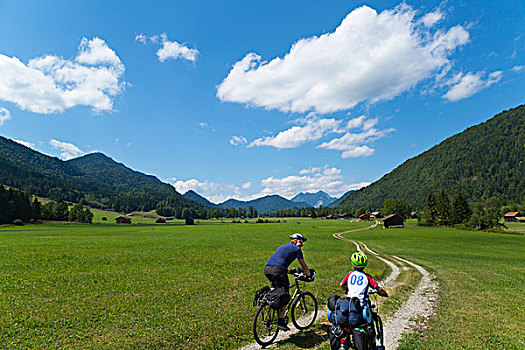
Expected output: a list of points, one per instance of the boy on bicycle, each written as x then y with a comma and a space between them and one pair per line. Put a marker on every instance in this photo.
357, 282
276, 269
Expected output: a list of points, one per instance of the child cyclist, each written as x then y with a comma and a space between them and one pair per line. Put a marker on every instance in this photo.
357, 282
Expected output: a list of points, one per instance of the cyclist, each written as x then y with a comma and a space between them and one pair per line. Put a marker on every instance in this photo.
357, 282
276, 269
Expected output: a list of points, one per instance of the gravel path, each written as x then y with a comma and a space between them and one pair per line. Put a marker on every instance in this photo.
414, 313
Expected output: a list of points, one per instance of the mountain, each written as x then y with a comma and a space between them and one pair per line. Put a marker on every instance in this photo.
336, 202
265, 204
93, 179
314, 199
191, 194
483, 161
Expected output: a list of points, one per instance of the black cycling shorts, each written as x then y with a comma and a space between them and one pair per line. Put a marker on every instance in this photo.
277, 276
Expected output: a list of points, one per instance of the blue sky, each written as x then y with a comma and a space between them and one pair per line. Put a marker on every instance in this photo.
247, 98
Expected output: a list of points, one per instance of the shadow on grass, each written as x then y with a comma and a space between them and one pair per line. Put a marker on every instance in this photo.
308, 339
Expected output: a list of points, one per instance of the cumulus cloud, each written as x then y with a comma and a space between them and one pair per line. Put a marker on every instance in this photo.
238, 140
313, 179
432, 18
170, 49
353, 145
68, 150
466, 85
370, 57
213, 191
328, 179
25, 143
51, 84
4, 115
311, 130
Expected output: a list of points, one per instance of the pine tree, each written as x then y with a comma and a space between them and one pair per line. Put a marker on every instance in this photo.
443, 208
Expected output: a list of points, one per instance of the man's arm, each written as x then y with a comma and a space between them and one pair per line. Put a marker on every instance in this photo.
305, 268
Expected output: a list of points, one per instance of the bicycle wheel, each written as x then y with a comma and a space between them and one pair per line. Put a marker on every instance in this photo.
304, 310
378, 325
265, 325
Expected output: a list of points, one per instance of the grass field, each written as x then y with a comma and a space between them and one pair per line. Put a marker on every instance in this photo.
187, 287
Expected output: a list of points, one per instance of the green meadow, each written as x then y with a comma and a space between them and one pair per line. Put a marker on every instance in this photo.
186, 287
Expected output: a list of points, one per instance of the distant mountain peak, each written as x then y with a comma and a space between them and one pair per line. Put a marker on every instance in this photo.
314, 199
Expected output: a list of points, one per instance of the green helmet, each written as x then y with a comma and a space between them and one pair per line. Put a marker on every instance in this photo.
359, 259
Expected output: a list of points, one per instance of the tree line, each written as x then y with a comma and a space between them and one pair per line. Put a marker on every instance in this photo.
17, 207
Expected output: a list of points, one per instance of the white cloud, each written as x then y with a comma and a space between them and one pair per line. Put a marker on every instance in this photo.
69, 150
213, 191
432, 18
25, 143
518, 69
369, 57
349, 143
4, 115
325, 178
246, 185
170, 49
51, 84
174, 50
312, 130
238, 140
142, 38
467, 85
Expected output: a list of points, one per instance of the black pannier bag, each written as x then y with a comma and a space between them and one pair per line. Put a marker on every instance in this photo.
332, 302
278, 298
259, 294
335, 333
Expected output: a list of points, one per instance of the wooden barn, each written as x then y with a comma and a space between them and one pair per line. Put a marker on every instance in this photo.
375, 214
123, 220
364, 217
513, 216
392, 221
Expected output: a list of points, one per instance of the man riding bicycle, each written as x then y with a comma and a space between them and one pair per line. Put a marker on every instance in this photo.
276, 269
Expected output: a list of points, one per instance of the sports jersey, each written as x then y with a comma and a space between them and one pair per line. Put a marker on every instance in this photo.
284, 256
358, 283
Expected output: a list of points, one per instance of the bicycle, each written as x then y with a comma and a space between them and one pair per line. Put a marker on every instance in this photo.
302, 307
368, 336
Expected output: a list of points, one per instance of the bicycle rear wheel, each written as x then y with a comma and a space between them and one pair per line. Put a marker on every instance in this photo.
265, 325
304, 310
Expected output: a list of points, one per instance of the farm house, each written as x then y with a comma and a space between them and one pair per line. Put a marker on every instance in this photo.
513, 216
123, 220
392, 221
364, 217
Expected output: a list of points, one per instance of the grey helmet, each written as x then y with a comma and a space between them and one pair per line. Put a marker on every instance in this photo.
298, 236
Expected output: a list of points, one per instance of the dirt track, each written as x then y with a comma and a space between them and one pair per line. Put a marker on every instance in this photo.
413, 313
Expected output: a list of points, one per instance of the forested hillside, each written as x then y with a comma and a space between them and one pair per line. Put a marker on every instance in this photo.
95, 180
486, 160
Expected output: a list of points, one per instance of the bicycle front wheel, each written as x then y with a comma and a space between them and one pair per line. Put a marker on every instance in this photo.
265, 325
304, 310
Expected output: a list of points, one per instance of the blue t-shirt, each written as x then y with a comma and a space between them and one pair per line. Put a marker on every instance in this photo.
284, 256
